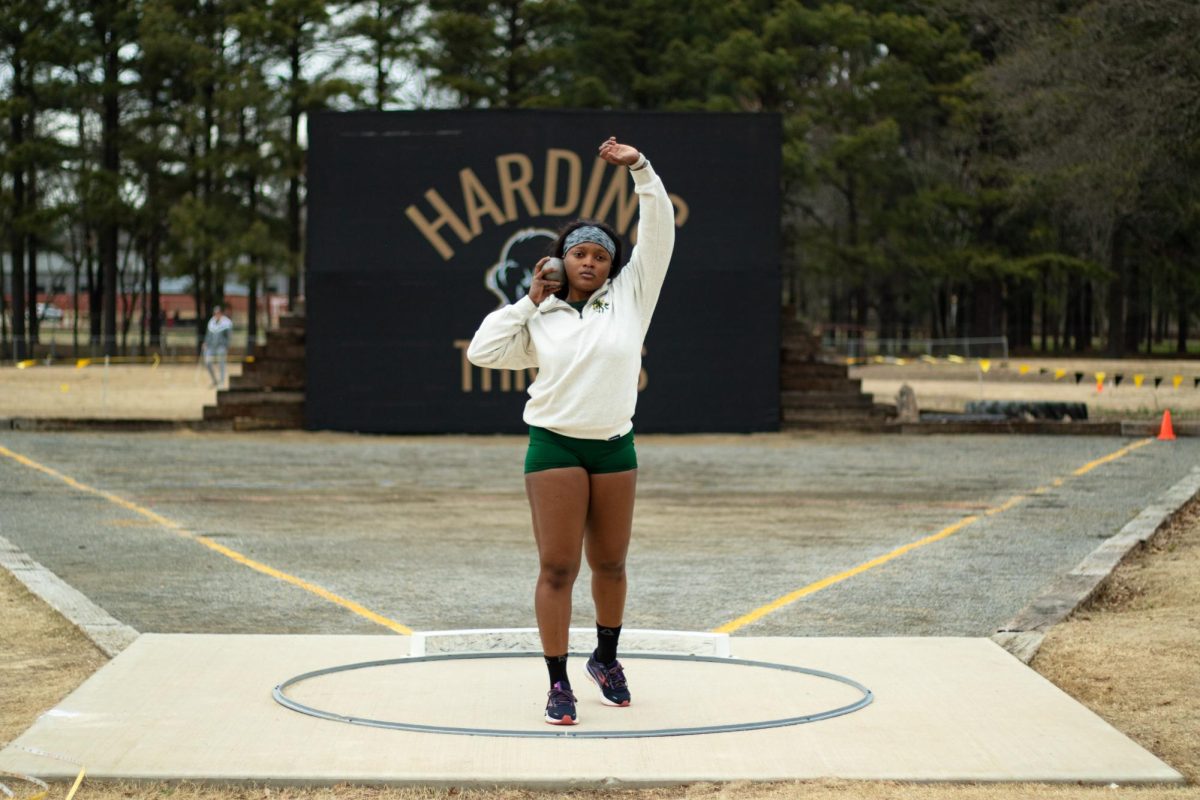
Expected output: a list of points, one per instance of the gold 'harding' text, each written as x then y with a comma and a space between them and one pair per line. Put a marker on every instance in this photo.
562, 194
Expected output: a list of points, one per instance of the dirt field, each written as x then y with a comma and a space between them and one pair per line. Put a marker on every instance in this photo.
945, 386
1133, 656
181, 391
168, 391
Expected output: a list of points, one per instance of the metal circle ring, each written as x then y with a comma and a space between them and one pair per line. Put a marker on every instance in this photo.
284, 700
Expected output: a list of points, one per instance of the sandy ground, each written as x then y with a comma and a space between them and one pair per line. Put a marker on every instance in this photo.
174, 391
945, 386
1132, 655
168, 391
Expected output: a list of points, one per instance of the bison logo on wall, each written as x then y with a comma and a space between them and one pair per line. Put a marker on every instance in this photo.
510, 277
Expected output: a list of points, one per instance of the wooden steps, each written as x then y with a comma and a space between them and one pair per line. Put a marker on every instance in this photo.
818, 394
269, 394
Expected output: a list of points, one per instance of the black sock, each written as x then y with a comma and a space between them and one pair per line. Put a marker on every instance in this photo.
606, 643
557, 665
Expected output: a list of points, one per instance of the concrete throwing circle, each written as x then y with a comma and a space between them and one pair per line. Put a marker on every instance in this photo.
281, 697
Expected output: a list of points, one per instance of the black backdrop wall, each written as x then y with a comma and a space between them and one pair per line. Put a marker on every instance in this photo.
420, 223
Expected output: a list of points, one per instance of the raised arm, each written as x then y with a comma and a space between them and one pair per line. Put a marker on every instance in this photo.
647, 267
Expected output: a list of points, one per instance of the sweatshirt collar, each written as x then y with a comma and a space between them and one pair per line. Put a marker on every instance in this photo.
556, 303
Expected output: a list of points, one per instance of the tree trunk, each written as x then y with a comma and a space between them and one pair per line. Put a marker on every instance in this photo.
941, 313
3, 314
31, 273
1087, 319
1116, 292
515, 41
95, 284
293, 198
252, 312
1045, 305
209, 188
1135, 314
1162, 321
198, 294
75, 307
144, 318
862, 307
16, 233
255, 268
887, 310
859, 293
110, 165
1183, 311
1018, 316
85, 233
986, 303
155, 297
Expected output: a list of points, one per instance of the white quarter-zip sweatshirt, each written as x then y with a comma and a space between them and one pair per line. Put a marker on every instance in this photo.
588, 362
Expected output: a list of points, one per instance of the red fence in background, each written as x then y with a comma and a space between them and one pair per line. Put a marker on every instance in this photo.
175, 307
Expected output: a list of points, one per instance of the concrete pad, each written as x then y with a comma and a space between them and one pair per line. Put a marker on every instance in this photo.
199, 707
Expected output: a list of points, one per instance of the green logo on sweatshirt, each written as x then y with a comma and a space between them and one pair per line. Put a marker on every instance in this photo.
599, 306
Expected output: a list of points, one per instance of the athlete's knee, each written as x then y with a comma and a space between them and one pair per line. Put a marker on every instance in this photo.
609, 569
558, 574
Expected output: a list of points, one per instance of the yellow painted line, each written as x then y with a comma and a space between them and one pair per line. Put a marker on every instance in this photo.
1005, 506
787, 599
1091, 465
172, 525
949, 530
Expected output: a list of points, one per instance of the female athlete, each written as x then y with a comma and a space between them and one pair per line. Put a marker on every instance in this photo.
583, 332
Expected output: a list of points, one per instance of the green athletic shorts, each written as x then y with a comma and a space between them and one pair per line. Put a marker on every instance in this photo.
549, 450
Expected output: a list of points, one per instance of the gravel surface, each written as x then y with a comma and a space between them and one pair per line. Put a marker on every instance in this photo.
434, 533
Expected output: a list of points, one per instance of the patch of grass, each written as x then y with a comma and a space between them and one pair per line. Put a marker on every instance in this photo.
42, 657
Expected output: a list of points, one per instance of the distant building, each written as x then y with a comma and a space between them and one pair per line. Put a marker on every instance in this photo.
56, 304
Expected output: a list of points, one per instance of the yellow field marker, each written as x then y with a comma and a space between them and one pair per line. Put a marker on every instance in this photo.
949, 530
179, 529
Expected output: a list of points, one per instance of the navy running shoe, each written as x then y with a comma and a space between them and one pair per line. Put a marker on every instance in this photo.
611, 680
560, 708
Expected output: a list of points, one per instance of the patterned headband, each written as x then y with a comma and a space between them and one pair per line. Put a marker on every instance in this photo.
590, 233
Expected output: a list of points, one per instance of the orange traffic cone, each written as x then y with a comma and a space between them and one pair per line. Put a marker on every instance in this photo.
1166, 432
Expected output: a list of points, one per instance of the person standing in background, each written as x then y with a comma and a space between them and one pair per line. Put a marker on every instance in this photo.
216, 344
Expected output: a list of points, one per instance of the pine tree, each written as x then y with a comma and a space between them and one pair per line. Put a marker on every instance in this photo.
498, 53
31, 41
389, 32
